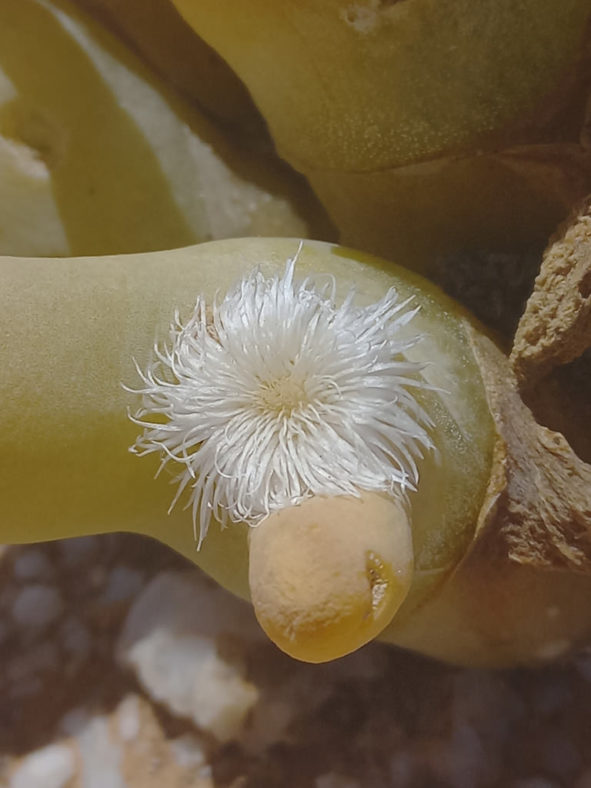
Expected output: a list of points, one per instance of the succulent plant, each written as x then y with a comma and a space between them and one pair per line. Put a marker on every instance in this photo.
323, 432
99, 156
426, 128
370, 441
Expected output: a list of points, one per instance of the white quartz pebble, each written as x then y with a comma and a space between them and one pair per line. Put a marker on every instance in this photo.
37, 606
170, 640
51, 767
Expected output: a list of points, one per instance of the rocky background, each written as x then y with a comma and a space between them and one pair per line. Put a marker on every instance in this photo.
123, 667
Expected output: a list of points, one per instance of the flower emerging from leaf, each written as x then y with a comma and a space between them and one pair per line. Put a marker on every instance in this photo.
276, 394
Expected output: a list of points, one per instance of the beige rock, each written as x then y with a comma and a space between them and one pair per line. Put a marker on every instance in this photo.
556, 325
530, 553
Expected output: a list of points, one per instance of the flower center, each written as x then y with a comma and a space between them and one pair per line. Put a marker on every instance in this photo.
281, 395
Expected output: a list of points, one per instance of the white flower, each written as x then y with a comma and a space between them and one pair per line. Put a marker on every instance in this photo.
276, 394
